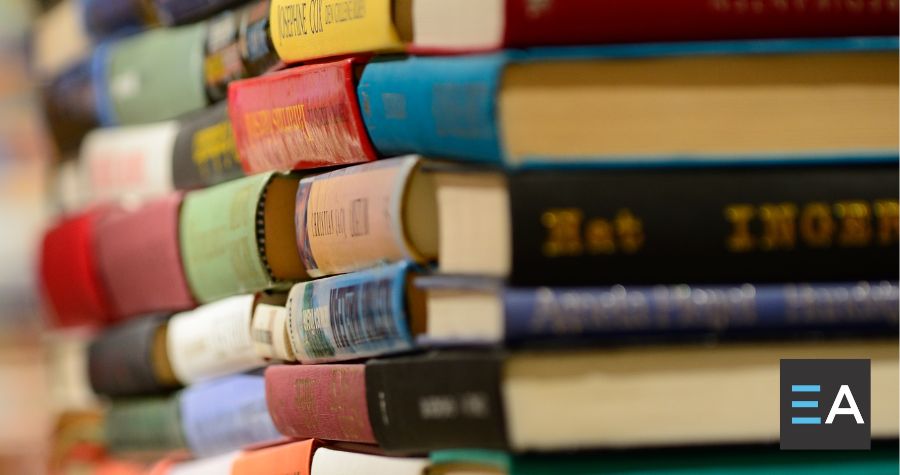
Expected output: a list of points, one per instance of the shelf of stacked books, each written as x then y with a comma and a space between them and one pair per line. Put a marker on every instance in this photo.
456, 236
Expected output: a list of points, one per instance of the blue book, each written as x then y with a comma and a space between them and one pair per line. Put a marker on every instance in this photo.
467, 310
226, 414
730, 102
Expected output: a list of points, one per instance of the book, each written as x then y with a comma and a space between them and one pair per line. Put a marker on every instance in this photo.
611, 398
222, 62
204, 152
795, 100
148, 425
130, 359
461, 26
299, 118
153, 76
69, 276
223, 249
257, 49
466, 310
270, 333
226, 414
328, 461
68, 101
723, 460
354, 315
301, 31
68, 367
49, 57
356, 217
179, 12
319, 401
218, 465
294, 458
212, 340
106, 18
139, 259
826, 223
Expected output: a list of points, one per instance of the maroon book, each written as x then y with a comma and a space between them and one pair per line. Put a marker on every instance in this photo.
320, 401
139, 259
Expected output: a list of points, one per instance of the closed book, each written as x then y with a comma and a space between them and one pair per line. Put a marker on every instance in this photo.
604, 398
327, 461
476, 310
179, 12
302, 31
257, 50
226, 414
795, 100
218, 465
213, 340
70, 106
126, 360
149, 425
722, 460
444, 26
105, 18
356, 217
270, 332
222, 62
304, 117
239, 237
321, 401
70, 278
139, 258
153, 76
352, 316
204, 152
294, 458
827, 223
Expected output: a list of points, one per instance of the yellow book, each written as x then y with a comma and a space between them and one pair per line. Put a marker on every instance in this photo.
308, 29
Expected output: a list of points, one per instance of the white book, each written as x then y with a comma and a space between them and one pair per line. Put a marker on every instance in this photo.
338, 462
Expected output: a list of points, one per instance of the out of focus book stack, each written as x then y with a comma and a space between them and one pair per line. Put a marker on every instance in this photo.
458, 236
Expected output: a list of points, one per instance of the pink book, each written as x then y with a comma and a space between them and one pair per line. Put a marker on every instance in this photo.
140, 260
320, 401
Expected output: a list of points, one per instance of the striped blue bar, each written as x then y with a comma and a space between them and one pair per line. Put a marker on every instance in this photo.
804, 403
805, 388
806, 420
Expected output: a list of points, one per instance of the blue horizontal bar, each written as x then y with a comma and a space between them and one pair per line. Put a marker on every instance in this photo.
806, 420
804, 403
805, 388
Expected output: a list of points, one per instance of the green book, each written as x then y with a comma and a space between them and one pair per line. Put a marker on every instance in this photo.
144, 425
882, 459
239, 237
156, 75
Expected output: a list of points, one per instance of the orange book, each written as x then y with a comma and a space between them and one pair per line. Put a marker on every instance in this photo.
294, 458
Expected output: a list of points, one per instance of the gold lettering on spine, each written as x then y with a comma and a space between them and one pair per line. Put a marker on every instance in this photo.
630, 230
816, 225
888, 216
740, 240
598, 236
779, 226
563, 232
856, 223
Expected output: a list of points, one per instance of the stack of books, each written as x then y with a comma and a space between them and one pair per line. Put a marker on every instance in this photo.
505, 236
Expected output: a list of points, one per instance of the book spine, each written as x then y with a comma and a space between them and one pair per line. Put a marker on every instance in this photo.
825, 224
302, 31
144, 425
205, 153
535, 314
70, 279
128, 163
299, 118
437, 106
423, 403
323, 402
180, 12
270, 333
294, 458
257, 50
220, 242
591, 22
213, 340
352, 218
156, 75
225, 415
137, 249
350, 316
104, 18
121, 361
69, 104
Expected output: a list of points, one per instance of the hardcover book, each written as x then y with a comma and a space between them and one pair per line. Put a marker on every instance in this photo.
298, 118
219, 464
795, 100
294, 458
327, 461
204, 152
149, 425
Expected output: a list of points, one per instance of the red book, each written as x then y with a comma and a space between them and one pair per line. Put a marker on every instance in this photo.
68, 271
303, 117
319, 401
139, 259
521, 23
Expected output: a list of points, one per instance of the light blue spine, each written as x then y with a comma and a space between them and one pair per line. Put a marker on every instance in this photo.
439, 107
